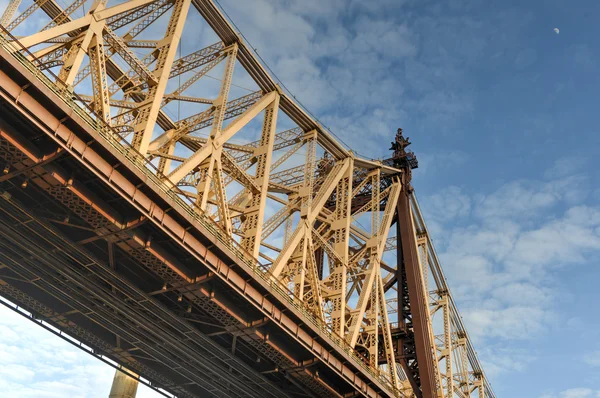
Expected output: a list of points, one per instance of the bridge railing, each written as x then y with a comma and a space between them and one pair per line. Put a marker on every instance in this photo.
82, 109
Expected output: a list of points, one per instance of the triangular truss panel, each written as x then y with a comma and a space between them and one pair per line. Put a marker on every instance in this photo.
172, 82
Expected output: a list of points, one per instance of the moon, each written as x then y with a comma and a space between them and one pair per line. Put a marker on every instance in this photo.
556, 30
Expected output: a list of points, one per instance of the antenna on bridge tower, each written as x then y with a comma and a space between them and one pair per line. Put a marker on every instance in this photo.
403, 159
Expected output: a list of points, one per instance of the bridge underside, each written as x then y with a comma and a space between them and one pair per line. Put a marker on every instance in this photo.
96, 267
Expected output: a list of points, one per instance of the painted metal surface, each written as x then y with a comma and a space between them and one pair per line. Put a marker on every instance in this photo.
256, 229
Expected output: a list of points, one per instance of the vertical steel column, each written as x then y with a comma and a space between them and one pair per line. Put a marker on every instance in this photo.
255, 209
464, 365
423, 343
447, 352
341, 236
479, 384
123, 386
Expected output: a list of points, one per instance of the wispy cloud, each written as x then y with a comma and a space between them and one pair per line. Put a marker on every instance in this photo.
592, 358
580, 392
503, 252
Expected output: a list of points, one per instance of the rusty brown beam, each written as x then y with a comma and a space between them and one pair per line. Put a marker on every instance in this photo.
410, 263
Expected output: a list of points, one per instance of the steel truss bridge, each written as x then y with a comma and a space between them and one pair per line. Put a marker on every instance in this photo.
179, 215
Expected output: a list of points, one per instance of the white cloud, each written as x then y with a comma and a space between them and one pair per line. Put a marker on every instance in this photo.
557, 243
579, 392
565, 166
349, 63
433, 162
521, 321
500, 252
524, 199
494, 241
500, 272
592, 358
447, 204
36, 363
501, 360
382, 37
522, 292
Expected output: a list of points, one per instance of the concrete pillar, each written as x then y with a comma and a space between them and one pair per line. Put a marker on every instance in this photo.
123, 386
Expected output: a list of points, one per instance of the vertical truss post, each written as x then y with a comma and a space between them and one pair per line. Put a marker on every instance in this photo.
479, 385
363, 299
387, 335
341, 238
383, 232
305, 227
206, 174
372, 312
299, 271
146, 118
375, 249
465, 381
309, 174
423, 250
289, 225
164, 164
255, 209
220, 105
313, 299
448, 349
372, 325
219, 188
424, 259
99, 80
74, 57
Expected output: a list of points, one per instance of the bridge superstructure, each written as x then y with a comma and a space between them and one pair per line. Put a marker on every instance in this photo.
183, 217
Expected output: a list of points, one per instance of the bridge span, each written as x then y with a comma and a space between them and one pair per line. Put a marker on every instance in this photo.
236, 250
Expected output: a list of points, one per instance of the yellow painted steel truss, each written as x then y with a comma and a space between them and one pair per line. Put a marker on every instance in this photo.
317, 218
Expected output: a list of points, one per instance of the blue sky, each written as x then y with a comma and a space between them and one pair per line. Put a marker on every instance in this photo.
501, 113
